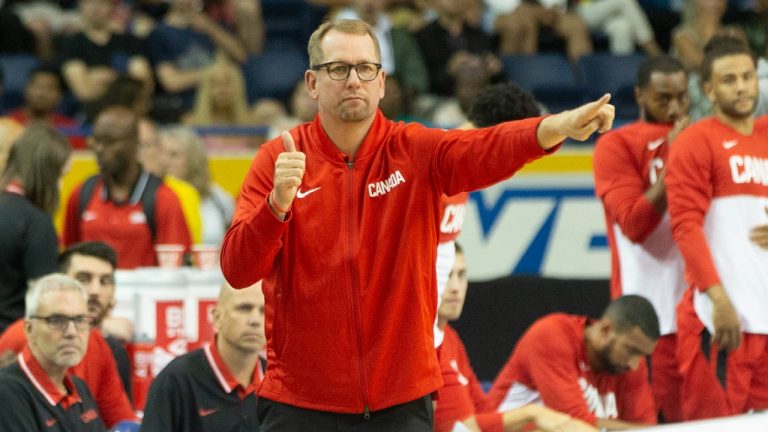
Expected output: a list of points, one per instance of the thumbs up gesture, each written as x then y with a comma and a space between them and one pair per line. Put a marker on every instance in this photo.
289, 170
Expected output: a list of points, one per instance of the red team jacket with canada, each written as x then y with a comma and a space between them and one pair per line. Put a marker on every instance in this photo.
349, 276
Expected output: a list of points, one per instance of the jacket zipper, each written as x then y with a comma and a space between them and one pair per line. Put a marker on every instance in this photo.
355, 291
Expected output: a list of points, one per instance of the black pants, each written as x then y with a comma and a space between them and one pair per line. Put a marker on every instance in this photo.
414, 416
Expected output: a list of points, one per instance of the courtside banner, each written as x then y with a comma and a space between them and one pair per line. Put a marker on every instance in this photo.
544, 221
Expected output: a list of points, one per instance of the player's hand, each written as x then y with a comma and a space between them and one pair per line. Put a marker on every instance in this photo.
289, 171
549, 420
727, 327
759, 234
578, 123
680, 124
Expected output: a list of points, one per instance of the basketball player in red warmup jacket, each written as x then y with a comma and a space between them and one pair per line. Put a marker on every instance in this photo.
629, 165
717, 184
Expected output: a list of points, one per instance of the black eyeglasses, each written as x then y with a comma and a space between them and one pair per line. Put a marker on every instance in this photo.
61, 322
339, 71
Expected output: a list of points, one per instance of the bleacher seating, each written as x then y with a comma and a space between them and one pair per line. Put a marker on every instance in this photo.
616, 74
274, 73
16, 69
549, 77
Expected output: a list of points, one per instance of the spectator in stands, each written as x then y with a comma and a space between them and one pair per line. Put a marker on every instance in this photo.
183, 45
716, 188
624, 22
104, 367
302, 109
42, 97
470, 74
213, 389
518, 23
15, 38
243, 17
184, 157
29, 197
37, 392
10, 129
381, 365
591, 370
400, 54
150, 157
124, 206
123, 91
95, 57
449, 42
702, 21
462, 398
221, 98
630, 165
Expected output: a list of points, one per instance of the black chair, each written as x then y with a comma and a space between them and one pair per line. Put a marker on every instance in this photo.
615, 74
274, 74
550, 77
16, 69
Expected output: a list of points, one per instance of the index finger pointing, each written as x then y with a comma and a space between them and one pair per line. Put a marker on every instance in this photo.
290, 146
593, 107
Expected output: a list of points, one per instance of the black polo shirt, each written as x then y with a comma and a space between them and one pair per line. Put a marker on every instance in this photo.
196, 392
31, 402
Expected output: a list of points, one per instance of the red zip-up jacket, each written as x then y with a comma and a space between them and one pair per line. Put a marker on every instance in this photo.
349, 276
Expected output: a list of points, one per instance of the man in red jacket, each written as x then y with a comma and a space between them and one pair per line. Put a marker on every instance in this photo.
340, 217
593, 371
462, 399
630, 164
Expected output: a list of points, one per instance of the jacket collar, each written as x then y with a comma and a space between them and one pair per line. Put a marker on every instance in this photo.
223, 375
372, 141
42, 382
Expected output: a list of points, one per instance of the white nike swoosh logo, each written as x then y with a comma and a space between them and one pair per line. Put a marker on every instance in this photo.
653, 145
301, 194
729, 144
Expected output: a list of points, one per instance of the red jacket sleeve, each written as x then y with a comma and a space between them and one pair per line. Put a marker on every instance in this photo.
553, 367
620, 184
13, 338
689, 192
453, 403
636, 403
71, 229
255, 230
468, 160
171, 224
109, 394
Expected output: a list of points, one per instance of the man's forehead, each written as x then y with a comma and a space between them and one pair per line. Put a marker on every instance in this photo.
89, 264
342, 46
64, 301
635, 338
733, 64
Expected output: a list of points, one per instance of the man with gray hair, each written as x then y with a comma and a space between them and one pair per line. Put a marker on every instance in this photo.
37, 392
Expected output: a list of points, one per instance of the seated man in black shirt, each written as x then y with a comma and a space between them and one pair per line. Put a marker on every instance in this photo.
37, 392
214, 388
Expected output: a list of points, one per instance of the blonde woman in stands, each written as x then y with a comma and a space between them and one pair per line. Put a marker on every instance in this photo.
221, 98
221, 101
184, 157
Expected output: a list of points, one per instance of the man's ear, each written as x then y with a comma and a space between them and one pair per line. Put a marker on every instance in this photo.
216, 313
310, 79
709, 90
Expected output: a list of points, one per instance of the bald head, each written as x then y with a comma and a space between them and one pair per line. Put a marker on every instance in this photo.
239, 318
121, 118
115, 143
